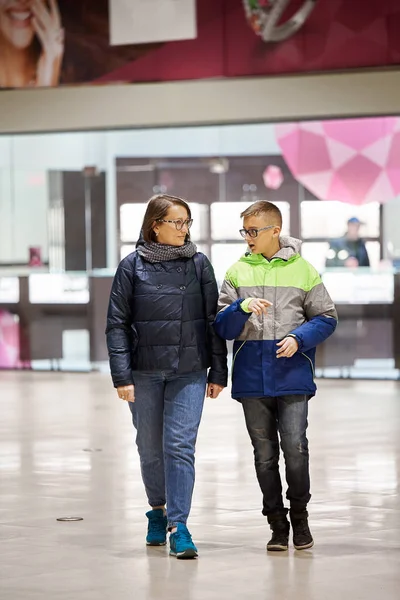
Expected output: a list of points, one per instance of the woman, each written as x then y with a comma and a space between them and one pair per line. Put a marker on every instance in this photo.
45, 43
161, 342
31, 43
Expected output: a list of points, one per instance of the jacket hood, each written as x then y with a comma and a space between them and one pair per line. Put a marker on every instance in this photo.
290, 248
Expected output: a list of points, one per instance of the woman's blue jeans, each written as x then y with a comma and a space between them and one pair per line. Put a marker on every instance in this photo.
166, 414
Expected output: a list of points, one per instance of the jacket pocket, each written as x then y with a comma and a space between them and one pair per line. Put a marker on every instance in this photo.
294, 375
247, 368
235, 354
310, 362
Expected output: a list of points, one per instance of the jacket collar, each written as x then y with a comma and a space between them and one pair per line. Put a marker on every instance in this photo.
290, 248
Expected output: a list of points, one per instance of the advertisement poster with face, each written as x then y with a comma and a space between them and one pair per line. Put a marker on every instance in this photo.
46, 43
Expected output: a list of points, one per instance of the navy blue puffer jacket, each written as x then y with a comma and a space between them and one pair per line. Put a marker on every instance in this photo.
160, 319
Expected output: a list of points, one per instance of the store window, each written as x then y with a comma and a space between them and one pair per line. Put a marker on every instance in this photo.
226, 221
131, 218
44, 180
224, 255
328, 219
228, 246
324, 222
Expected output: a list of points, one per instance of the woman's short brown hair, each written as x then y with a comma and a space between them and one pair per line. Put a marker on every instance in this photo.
157, 209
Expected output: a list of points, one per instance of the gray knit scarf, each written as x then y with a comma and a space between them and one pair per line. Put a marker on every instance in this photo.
155, 253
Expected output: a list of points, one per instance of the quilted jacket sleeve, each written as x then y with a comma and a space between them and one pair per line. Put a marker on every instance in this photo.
120, 332
218, 373
320, 313
231, 318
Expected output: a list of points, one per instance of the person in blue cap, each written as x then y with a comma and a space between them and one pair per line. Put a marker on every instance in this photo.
349, 250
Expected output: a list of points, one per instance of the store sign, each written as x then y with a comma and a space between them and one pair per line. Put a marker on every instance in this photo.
9, 290
45, 288
147, 21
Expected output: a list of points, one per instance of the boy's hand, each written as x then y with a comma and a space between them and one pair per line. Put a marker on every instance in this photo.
258, 306
288, 347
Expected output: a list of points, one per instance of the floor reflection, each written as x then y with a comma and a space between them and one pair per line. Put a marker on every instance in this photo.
49, 420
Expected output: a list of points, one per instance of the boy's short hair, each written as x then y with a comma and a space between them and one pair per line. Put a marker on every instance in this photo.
262, 207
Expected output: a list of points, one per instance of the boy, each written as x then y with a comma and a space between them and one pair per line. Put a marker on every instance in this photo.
275, 307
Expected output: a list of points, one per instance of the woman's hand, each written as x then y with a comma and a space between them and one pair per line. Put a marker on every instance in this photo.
214, 390
127, 393
47, 25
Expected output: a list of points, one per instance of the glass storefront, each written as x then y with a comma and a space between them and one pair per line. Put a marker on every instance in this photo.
71, 206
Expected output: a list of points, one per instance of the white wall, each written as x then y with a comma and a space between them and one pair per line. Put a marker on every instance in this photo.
57, 151
26, 159
391, 228
190, 103
24, 164
30, 212
23, 214
72, 151
5, 216
214, 140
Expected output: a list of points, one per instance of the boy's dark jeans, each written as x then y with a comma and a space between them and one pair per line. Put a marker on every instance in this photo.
265, 418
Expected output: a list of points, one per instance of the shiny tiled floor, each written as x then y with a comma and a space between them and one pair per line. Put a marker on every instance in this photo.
47, 421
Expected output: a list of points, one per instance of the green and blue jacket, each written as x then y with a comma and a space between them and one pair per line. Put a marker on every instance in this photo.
301, 307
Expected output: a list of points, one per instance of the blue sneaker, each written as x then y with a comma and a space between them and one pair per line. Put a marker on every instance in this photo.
157, 528
181, 544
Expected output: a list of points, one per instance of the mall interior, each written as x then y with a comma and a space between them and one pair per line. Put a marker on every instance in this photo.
78, 165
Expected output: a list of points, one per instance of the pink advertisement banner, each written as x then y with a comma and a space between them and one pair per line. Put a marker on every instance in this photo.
46, 43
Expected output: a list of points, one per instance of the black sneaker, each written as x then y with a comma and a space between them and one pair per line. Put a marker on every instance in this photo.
280, 535
302, 538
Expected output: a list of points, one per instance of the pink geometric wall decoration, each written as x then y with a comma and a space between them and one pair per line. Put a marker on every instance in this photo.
273, 177
9, 341
353, 160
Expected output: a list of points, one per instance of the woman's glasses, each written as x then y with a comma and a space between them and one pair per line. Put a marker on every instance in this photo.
179, 223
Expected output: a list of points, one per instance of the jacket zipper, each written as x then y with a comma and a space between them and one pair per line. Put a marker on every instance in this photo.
274, 313
185, 279
269, 267
275, 296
